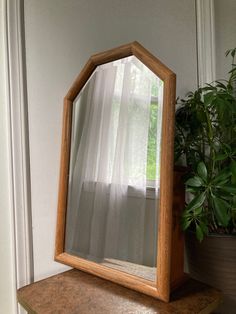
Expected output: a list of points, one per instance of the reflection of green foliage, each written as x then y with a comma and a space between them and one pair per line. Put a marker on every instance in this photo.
154, 90
152, 144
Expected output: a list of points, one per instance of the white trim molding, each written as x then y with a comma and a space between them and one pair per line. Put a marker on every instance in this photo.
8, 302
205, 24
18, 137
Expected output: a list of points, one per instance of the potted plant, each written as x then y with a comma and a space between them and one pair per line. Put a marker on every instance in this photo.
205, 142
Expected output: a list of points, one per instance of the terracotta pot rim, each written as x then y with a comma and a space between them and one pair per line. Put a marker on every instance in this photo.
213, 235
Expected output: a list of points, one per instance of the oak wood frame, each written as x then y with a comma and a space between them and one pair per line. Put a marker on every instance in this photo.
167, 273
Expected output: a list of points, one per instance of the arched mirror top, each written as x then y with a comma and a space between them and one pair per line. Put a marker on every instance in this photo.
133, 49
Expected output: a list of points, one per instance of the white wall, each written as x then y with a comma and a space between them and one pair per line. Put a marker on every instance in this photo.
60, 36
7, 264
225, 26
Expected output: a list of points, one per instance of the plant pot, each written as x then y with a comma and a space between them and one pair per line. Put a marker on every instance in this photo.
213, 261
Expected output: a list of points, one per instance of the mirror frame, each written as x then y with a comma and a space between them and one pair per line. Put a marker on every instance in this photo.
161, 288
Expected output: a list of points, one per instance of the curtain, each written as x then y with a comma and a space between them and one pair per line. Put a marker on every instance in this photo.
107, 199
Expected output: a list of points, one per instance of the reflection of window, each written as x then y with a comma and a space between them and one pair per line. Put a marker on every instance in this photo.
152, 142
114, 144
153, 172
120, 110
142, 86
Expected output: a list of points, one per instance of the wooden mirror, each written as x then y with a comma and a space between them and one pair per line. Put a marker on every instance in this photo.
115, 217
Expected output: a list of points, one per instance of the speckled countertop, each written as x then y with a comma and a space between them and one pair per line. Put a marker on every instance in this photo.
75, 292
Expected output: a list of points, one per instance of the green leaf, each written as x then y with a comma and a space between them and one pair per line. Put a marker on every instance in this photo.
227, 52
220, 84
220, 157
196, 202
186, 214
229, 188
208, 98
233, 168
186, 223
202, 170
222, 176
221, 211
195, 181
199, 233
191, 190
221, 183
204, 227
198, 211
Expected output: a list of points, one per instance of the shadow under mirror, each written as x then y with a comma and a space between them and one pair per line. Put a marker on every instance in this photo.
114, 171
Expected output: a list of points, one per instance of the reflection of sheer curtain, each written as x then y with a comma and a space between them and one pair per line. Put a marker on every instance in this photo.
107, 184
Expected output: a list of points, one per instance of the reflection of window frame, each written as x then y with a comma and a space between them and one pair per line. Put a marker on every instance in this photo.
152, 188
152, 192
151, 182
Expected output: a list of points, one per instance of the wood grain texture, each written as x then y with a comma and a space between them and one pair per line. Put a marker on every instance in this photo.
153, 63
112, 54
125, 279
161, 289
75, 292
81, 80
63, 180
164, 237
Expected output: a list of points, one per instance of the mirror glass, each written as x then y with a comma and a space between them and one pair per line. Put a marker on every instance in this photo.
114, 171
